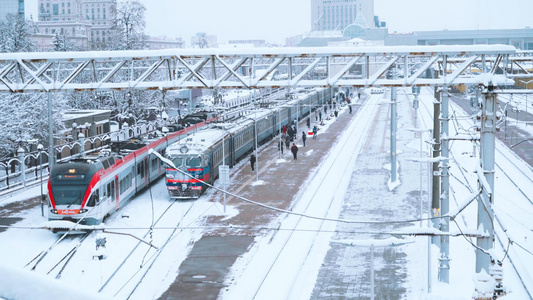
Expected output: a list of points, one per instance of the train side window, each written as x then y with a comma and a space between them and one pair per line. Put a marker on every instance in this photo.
140, 169
154, 164
109, 189
92, 200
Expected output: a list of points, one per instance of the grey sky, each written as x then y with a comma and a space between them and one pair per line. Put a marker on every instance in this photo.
274, 20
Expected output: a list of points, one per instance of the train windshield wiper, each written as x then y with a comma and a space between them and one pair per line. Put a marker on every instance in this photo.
75, 200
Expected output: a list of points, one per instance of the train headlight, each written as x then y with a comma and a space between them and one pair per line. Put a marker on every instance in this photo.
54, 211
82, 211
170, 176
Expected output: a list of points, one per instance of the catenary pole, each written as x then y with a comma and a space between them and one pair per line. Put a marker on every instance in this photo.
435, 190
444, 261
485, 213
51, 155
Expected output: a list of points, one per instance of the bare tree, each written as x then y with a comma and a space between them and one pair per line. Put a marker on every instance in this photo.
15, 35
130, 25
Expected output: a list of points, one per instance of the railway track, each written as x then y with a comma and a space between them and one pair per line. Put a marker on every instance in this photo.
63, 261
129, 276
302, 233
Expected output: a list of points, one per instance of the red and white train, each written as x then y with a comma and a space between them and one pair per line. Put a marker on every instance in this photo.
90, 188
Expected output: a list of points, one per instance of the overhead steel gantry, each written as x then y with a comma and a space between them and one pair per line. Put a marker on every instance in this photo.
270, 67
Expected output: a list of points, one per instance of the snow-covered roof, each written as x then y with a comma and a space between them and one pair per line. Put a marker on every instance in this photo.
196, 142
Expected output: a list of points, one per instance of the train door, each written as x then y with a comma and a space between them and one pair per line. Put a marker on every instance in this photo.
117, 193
146, 171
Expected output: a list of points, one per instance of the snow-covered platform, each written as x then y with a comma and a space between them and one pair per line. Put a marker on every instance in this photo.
222, 254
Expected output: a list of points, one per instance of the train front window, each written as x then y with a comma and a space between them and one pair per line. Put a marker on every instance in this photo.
68, 195
194, 162
178, 161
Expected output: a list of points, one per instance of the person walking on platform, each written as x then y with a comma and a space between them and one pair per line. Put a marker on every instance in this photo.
320, 116
284, 129
336, 114
288, 142
308, 123
290, 133
252, 161
350, 107
294, 150
315, 130
304, 138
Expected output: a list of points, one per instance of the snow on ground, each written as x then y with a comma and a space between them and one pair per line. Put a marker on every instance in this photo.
19, 246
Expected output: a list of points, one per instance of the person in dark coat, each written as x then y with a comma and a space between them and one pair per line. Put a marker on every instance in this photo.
315, 130
290, 132
320, 115
308, 122
294, 150
304, 137
252, 161
350, 107
336, 114
288, 142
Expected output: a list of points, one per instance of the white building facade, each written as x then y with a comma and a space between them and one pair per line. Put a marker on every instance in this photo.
85, 22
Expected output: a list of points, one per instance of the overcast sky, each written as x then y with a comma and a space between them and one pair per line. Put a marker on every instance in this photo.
274, 20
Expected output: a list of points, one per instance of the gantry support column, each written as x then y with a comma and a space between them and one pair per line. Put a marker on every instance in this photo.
51, 153
485, 213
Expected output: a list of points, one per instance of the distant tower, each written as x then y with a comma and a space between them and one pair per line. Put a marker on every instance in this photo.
11, 7
337, 15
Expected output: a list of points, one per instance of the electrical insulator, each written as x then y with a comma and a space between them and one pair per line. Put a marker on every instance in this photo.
496, 271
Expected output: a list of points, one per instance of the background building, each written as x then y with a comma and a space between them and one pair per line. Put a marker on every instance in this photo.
85, 23
519, 38
11, 7
335, 15
101, 15
163, 42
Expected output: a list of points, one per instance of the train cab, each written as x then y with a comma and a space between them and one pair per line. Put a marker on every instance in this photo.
185, 182
71, 192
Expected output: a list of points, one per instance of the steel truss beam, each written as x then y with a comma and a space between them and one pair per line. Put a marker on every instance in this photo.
257, 68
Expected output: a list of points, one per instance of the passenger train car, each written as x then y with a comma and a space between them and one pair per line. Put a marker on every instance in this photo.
89, 188
197, 158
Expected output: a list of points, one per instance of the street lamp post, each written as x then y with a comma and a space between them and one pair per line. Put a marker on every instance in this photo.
279, 129
526, 84
40, 148
256, 157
